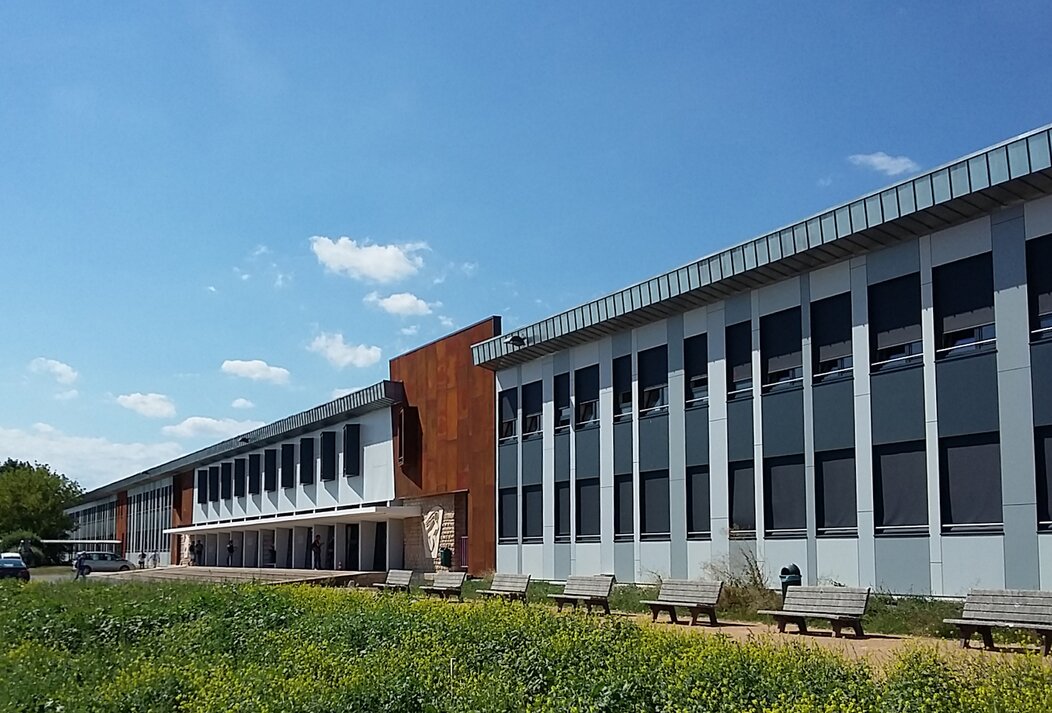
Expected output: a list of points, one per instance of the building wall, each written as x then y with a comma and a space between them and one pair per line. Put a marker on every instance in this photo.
448, 430
914, 413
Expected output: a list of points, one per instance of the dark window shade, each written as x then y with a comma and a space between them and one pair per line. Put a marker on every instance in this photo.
562, 401
328, 455
963, 293
532, 406
622, 375
507, 512
1039, 281
587, 508
623, 524
742, 494
213, 483
240, 474
653, 379
202, 486
509, 410
970, 475
784, 494
270, 470
900, 488
352, 449
739, 357
835, 486
698, 514
1043, 446
288, 465
696, 368
562, 509
226, 478
306, 460
895, 318
654, 505
586, 393
254, 472
532, 513
831, 334
781, 351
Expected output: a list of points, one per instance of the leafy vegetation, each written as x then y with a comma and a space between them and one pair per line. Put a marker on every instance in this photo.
198, 648
32, 503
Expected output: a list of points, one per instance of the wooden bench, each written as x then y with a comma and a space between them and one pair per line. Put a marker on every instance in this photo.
397, 580
592, 590
446, 584
985, 609
509, 586
696, 596
842, 606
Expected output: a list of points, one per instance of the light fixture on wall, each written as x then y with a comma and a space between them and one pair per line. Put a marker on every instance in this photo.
515, 340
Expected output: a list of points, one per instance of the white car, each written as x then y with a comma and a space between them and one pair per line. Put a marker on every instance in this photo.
105, 562
10, 555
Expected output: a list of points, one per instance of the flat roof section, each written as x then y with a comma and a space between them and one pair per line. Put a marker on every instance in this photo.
1015, 170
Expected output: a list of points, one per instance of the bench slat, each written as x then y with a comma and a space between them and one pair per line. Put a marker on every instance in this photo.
448, 580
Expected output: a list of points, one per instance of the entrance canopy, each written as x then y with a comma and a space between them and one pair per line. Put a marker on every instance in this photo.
332, 517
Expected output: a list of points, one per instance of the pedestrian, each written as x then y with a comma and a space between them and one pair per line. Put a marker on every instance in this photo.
153, 559
78, 565
142, 560
24, 551
272, 556
199, 550
229, 553
315, 548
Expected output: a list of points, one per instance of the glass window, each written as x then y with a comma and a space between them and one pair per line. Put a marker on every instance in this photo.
900, 488
532, 408
328, 455
239, 477
653, 380
784, 497
532, 513
624, 527
837, 513
507, 508
654, 505
698, 516
254, 473
509, 410
895, 322
739, 360
1043, 444
970, 473
270, 470
831, 337
586, 392
781, 352
1039, 286
587, 509
696, 368
202, 486
622, 374
563, 410
742, 496
307, 465
288, 465
562, 511
226, 477
963, 294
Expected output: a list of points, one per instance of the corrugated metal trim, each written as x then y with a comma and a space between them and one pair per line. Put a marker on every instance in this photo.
381, 395
1013, 170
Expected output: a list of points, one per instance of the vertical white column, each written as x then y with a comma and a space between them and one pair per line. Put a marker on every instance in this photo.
867, 564
931, 418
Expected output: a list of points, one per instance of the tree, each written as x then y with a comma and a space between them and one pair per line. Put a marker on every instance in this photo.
33, 497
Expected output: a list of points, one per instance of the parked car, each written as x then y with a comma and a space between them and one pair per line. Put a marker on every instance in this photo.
105, 562
13, 567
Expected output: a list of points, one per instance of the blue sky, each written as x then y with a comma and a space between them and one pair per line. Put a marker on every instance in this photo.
213, 215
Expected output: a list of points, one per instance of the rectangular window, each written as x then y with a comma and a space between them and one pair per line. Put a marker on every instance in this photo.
696, 369
1039, 286
837, 512
781, 350
507, 510
785, 511
306, 460
622, 388
654, 505
532, 408
509, 413
240, 474
288, 465
698, 516
213, 483
586, 392
254, 473
588, 510
202, 486
352, 449
831, 338
226, 480
970, 476
739, 360
623, 525
895, 323
562, 402
532, 513
270, 470
328, 455
900, 488
562, 511
743, 499
653, 380
1043, 447
963, 294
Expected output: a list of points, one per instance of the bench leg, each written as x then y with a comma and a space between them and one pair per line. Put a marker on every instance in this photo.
653, 613
966, 634
836, 629
694, 616
671, 615
781, 625
1047, 638
801, 624
988, 639
858, 629
712, 618
559, 604
606, 607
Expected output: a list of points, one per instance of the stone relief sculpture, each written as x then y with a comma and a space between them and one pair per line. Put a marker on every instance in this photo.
433, 529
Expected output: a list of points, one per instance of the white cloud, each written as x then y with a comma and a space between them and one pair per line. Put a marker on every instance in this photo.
67, 395
404, 304
825, 182
255, 369
61, 372
148, 405
260, 250
469, 268
242, 403
339, 354
881, 162
211, 288
219, 428
282, 279
445, 321
366, 261
90, 461
409, 331
337, 393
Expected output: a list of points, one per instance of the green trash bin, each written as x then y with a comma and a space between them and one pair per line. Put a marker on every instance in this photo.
445, 557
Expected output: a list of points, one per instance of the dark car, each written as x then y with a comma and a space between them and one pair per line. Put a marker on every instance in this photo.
13, 567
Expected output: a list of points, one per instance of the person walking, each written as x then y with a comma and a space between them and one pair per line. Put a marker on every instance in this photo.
229, 553
78, 565
315, 548
142, 560
153, 559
